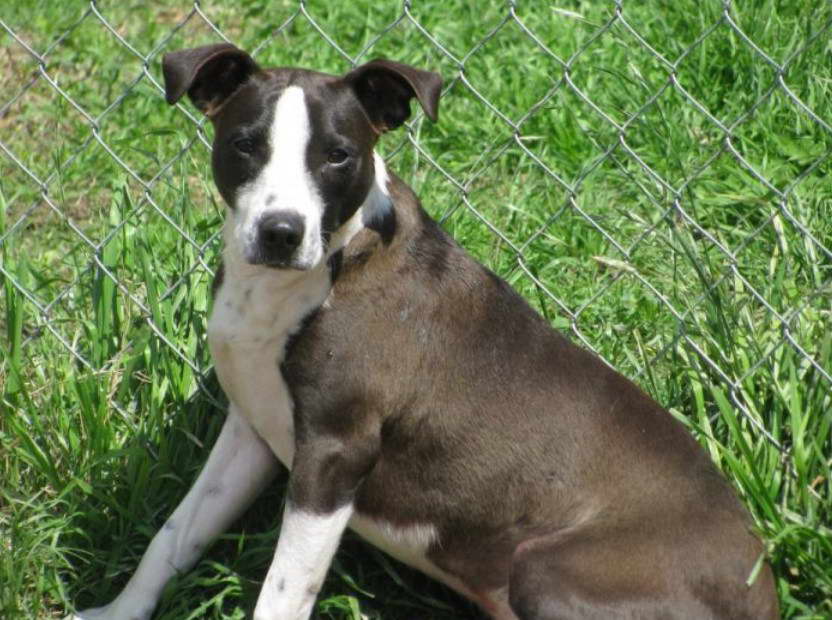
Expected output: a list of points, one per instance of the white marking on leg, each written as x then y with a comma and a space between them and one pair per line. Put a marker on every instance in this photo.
239, 466
417, 537
304, 552
408, 544
286, 178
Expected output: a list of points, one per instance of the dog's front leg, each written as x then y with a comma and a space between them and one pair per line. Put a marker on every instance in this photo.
308, 541
239, 467
326, 472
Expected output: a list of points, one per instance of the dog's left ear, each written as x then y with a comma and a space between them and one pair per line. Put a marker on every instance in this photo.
385, 89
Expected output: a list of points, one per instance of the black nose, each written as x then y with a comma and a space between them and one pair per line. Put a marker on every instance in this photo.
279, 235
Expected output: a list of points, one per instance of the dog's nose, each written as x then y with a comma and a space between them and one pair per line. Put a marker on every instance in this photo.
279, 236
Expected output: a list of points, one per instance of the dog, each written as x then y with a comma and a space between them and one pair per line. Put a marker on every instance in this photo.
414, 396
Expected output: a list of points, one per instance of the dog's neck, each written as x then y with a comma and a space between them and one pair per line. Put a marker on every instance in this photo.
377, 207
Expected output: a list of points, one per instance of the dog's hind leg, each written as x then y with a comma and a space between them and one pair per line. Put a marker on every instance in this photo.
240, 465
593, 576
642, 572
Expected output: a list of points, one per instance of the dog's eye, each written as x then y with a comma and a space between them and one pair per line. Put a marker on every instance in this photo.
244, 145
337, 156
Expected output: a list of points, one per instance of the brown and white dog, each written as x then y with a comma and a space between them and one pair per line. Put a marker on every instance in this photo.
415, 397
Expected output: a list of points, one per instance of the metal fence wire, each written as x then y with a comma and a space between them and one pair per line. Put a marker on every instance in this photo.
650, 226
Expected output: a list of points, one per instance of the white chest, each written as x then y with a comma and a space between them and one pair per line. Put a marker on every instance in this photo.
255, 311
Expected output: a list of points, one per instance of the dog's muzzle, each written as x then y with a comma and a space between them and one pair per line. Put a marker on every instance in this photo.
278, 238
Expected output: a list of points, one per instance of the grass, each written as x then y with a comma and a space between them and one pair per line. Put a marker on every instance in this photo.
700, 267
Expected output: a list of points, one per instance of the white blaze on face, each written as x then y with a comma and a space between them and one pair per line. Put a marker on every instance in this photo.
284, 184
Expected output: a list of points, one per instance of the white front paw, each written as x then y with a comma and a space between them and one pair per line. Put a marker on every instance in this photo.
108, 613
98, 613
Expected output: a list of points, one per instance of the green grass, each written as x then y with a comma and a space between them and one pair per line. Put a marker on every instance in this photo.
676, 259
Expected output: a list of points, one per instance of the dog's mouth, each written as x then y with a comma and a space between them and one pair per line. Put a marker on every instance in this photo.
281, 265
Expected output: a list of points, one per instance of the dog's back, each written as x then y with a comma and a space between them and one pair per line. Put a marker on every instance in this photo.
544, 476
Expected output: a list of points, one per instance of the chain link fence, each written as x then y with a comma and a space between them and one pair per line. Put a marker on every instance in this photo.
652, 195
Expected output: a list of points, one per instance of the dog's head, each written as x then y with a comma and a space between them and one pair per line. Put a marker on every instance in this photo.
293, 149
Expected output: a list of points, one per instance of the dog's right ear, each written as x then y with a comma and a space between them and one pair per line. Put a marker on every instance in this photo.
209, 74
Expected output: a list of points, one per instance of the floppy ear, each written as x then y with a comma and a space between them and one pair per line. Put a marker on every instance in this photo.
385, 89
209, 74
